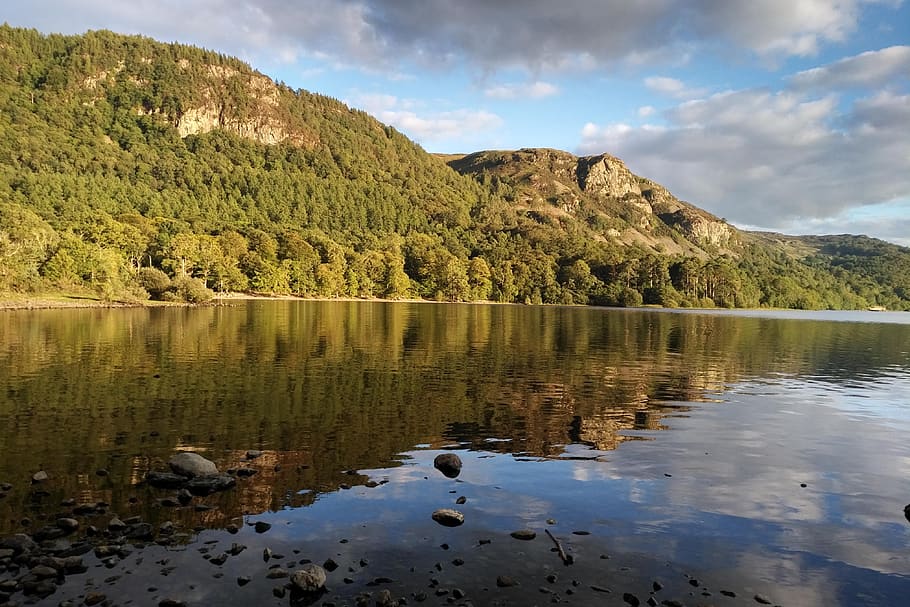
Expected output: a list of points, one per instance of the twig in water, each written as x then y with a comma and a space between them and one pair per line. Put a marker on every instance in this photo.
566, 559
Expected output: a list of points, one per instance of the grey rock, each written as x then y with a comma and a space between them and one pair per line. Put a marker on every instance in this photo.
760, 598
253, 454
19, 543
448, 463
310, 578
448, 517
191, 465
40, 476
504, 581
68, 524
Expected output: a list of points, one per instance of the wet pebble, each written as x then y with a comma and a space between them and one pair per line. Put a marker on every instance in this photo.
504, 581
448, 463
243, 580
261, 526
277, 573
523, 534
310, 578
94, 598
448, 517
631, 599
461, 500
760, 598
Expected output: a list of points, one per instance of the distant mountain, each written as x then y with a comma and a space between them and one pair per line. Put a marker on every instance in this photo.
136, 168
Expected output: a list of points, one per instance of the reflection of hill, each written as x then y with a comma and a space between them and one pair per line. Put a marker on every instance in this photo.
322, 388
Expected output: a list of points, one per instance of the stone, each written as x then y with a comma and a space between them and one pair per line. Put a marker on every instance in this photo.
523, 534
309, 579
253, 454
192, 465
448, 463
206, 485
19, 543
631, 599
504, 581
93, 598
68, 525
448, 517
39, 477
907, 512
760, 598
164, 480
261, 526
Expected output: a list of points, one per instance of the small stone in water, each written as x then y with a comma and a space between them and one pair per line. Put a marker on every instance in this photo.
760, 598
524, 534
448, 517
262, 526
504, 581
448, 463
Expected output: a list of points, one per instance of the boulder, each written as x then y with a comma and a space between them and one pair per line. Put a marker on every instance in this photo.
448, 463
448, 517
309, 579
192, 465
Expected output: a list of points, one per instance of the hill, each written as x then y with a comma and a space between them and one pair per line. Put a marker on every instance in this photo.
136, 168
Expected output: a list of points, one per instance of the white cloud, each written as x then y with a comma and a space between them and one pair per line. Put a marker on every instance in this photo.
771, 159
671, 87
646, 110
484, 35
415, 120
869, 69
531, 90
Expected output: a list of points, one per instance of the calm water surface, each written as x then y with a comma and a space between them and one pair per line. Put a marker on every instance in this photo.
746, 453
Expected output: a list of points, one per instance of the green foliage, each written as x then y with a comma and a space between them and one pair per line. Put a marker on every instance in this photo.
291, 192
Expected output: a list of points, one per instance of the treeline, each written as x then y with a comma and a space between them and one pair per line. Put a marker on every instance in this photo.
98, 190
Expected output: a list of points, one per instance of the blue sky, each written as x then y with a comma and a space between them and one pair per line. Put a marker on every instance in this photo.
786, 115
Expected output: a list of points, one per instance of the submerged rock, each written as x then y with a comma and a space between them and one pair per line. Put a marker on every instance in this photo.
448, 463
192, 465
524, 534
311, 578
448, 517
206, 485
907, 512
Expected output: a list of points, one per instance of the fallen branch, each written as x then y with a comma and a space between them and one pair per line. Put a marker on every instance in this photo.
566, 559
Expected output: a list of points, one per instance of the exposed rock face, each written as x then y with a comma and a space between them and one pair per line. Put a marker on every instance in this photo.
702, 228
606, 176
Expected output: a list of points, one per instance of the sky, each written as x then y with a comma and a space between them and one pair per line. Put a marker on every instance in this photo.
783, 115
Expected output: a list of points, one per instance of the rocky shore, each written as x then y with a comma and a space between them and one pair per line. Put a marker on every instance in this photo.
87, 555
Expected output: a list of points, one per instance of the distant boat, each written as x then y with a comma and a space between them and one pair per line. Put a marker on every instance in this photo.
877, 308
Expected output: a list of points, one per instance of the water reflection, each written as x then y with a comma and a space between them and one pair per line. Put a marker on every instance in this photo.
348, 403
327, 387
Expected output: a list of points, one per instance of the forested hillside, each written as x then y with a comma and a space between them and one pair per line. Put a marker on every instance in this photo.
134, 168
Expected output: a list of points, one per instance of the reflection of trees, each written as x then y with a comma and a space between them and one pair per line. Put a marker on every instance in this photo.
323, 387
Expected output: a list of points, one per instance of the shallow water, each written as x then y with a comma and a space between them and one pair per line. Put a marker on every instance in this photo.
677, 443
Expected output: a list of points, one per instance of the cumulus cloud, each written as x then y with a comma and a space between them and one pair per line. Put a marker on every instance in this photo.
532, 90
528, 33
869, 69
771, 159
413, 118
671, 87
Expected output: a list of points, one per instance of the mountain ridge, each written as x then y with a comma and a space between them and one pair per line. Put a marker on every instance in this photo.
136, 168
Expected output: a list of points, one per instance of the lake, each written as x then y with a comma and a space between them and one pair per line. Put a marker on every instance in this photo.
697, 458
